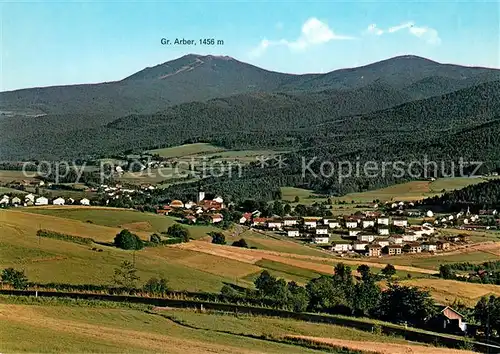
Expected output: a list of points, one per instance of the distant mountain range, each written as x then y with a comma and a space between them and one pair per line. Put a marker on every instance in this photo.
238, 105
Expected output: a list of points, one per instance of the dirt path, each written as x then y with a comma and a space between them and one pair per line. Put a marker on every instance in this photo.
383, 348
301, 261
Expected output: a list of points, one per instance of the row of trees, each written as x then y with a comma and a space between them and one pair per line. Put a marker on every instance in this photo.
129, 241
485, 273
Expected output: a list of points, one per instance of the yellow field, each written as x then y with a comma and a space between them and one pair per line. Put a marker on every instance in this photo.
447, 291
187, 149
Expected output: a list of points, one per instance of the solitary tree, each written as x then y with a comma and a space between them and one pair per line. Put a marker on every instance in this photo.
128, 241
389, 270
241, 243
16, 278
218, 238
178, 231
156, 286
125, 276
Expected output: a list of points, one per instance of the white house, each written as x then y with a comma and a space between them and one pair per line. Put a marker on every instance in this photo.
396, 239
293, 232
429, 214
429, 247
218, 200
382, 242
411, 237
189, 204
351, 224
85, 201
366, 223
274, 224
321, 239
290, 221
5, 200
400, 222
15, 201
383, 230
341, 247
383, 220
332, 224
216, 218
41, 201
322, 230
310, 223
359, 246
365, 237
29, 198
58, 201
354, 232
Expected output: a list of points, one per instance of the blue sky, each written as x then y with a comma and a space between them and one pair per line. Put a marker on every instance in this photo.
54, 43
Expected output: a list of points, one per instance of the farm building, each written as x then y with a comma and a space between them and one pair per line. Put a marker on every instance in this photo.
58, 201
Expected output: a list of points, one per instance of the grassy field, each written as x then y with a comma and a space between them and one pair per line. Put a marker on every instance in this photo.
118, 218
5, 190
187, 149
408, 191
447, 291
118, 330
7, 176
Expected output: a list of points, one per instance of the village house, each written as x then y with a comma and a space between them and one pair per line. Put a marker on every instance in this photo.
274, 224
382, 242
400, 222
341, 247
259, 221
290, 221
15, 201
332, 223
247, 217
410, 237
367, 237
215, 218
310, 223
396, 239
414, 247
359, 246
383, 220
176, 204
422, 230
374, 250
383, 230
5, 200
351, 222
293, 233
322, 230
41, 201
190, 219
448, 320
393, 250
58, 201
366, 223
457, 238
429, 214
210, 205
29, 199
354, 232
442, 245
429, 246
321, 239
189, 204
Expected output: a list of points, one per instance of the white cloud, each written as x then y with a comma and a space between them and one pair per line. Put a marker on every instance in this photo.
314, 32
430, 35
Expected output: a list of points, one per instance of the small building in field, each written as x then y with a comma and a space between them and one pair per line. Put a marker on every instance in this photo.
58, 201
247, 217
293, 233
393, 250
351, 224
320, 239
374, 250
41, 201
448, 320
29, 199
